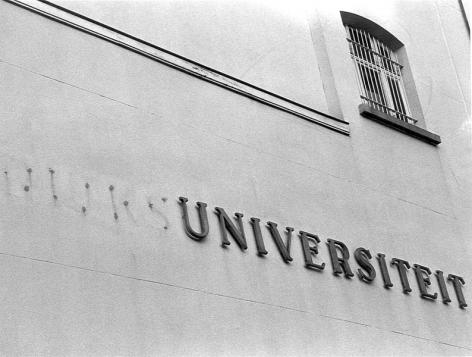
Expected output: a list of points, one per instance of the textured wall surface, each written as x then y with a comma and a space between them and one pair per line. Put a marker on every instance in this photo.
85, 283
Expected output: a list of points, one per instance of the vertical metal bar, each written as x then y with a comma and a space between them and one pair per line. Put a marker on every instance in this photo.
401, 101
396, 101
360, 41
382, 70
370, 70
386, 62
393, 77
400, 89
395, 67
366, 45
369, 44
365, 81
388, 95
390, 56
404, 105
381, 89
351, 44
402, 92
379, 93
375, 59
363, 57
356, 41
402, 97
356, 55
359, 82
372, 84
365, 42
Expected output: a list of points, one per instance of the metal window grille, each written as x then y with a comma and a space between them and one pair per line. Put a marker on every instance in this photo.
378, 74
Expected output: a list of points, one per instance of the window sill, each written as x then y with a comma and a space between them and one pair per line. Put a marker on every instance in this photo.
412, 130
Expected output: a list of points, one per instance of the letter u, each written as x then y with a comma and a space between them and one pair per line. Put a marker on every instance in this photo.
202, 215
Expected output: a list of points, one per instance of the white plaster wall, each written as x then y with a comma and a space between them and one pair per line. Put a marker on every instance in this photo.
75, 284
265, 43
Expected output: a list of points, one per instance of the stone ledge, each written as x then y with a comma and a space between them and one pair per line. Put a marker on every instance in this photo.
412, 130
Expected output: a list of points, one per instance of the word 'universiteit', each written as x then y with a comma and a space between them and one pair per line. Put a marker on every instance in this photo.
338, 252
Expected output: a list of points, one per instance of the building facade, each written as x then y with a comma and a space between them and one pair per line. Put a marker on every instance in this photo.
235, 178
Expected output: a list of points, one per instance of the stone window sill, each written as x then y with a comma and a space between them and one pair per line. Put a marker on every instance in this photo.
412, 130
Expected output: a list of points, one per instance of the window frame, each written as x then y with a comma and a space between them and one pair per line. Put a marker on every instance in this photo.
379, 74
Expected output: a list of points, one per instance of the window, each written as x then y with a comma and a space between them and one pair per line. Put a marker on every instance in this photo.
378, 74
384, 78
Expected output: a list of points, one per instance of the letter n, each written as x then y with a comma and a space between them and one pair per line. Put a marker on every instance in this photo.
227, 225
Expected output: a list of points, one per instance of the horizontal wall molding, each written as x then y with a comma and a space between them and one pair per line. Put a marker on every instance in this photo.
107, 33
